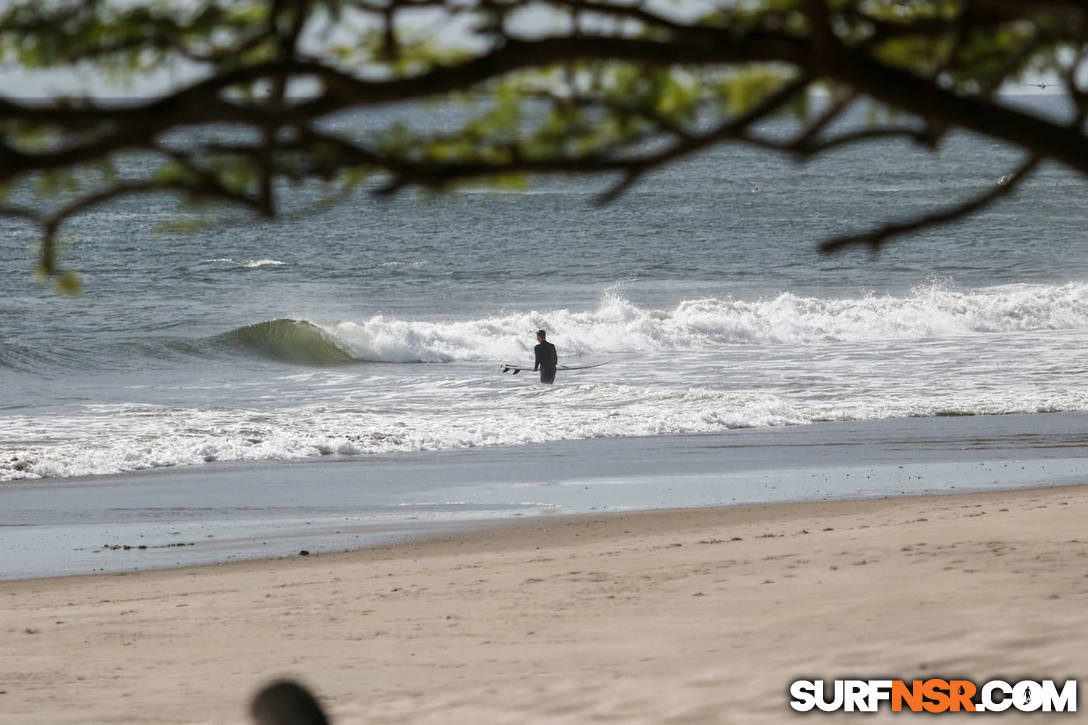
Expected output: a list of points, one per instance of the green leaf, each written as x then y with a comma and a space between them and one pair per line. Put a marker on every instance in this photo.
68, 283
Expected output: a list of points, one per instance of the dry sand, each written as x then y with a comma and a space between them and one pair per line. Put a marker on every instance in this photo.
697, 616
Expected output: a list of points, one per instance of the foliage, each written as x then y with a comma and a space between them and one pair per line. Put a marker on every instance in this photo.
617, 87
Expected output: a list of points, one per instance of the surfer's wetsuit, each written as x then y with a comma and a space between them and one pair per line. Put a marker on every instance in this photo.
546, 359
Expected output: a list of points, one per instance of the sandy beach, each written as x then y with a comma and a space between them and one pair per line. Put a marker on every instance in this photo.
700, 615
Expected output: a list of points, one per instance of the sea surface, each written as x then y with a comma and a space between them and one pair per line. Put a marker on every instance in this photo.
378, 326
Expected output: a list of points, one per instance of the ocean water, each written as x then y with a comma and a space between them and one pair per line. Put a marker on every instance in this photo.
378, 326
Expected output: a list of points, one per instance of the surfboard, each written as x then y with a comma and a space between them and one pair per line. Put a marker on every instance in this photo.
515, 369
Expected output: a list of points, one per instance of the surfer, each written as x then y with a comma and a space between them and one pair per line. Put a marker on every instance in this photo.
546, 358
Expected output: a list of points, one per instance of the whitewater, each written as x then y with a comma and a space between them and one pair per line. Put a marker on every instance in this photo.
376, 327
383, 385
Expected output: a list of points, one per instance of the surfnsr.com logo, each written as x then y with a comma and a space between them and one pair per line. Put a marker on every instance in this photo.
933, 696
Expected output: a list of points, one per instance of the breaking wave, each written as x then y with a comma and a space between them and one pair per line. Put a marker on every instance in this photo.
615, 326
248, 263
291, 341
705, 366
618, 325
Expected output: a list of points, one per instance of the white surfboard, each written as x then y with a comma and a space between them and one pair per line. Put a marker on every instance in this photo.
515, 369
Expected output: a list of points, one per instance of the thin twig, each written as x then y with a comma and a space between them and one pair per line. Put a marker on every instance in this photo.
876, 238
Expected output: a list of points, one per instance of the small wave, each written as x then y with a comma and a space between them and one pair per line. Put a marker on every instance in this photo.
395, 264
248, 264
292, 341
23, 358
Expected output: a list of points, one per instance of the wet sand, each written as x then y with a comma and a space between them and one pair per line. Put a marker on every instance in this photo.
226, 512
701, 615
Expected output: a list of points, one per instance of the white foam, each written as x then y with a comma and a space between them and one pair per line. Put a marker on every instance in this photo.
424, 418
707, 365
617, 325
249, 264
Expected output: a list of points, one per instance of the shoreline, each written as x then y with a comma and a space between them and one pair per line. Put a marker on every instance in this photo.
217, 514
699, 615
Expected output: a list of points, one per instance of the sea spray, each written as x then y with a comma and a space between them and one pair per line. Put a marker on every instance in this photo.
616, 325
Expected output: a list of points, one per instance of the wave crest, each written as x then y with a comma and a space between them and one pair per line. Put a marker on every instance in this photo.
292, 341
618, 325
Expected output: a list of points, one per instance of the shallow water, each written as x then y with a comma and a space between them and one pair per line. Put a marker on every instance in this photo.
207, 514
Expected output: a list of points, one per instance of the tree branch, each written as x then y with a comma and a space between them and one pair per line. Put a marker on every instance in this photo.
876, 238
660, 86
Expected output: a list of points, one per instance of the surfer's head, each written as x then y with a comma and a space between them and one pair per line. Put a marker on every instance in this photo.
540, 335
